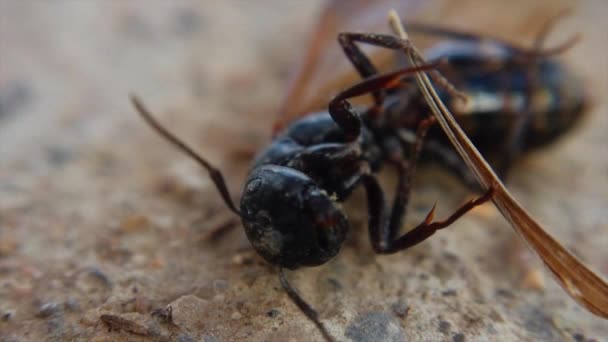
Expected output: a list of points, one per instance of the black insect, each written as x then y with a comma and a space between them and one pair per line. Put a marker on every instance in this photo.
289, 206
290, 202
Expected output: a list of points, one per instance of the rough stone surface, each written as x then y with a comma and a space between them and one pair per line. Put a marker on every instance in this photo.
100, 218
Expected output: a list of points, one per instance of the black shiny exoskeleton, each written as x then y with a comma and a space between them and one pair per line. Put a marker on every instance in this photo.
290, 206
517, 99
290, 203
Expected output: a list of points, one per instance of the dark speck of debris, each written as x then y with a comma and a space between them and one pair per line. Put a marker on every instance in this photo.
91, 278
7, 316
165, 314
539, 323
578, 337
273, 313
13, 96
375, 326
334, 283
504, 293
401, 309
444, 327
449, 293
458, 337
187, 22
450, 256
118, 323
48, 309
58, 155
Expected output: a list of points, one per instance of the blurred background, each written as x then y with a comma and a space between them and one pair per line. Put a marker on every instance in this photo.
99, 216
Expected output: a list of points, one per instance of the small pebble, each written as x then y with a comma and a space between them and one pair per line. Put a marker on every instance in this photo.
210, 338
539, 323
334, 283
375, 326
444, 326
220, 286
8, 315
72, 305
48, 309
238, 259
458, 337
236, 315
185, 338
401, 309
449, 293
578, 337
273, 313
534, 280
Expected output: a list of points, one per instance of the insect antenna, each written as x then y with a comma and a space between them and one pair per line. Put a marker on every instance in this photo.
548, 26
215, 174
556, 50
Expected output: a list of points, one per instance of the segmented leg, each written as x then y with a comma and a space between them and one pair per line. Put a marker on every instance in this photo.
383, 230
361, 62
366, 68
380, 235
406, 171
345, 115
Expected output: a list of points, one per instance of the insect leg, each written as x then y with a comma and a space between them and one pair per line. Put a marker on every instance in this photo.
362, 63
383, 232
215, 174
303, 306
406, 171
380, 235
345, 115
427, 228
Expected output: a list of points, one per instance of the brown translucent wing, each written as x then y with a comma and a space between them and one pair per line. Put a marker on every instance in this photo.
323, 69
580, 282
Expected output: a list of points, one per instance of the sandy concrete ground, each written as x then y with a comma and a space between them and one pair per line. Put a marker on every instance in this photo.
102, 223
